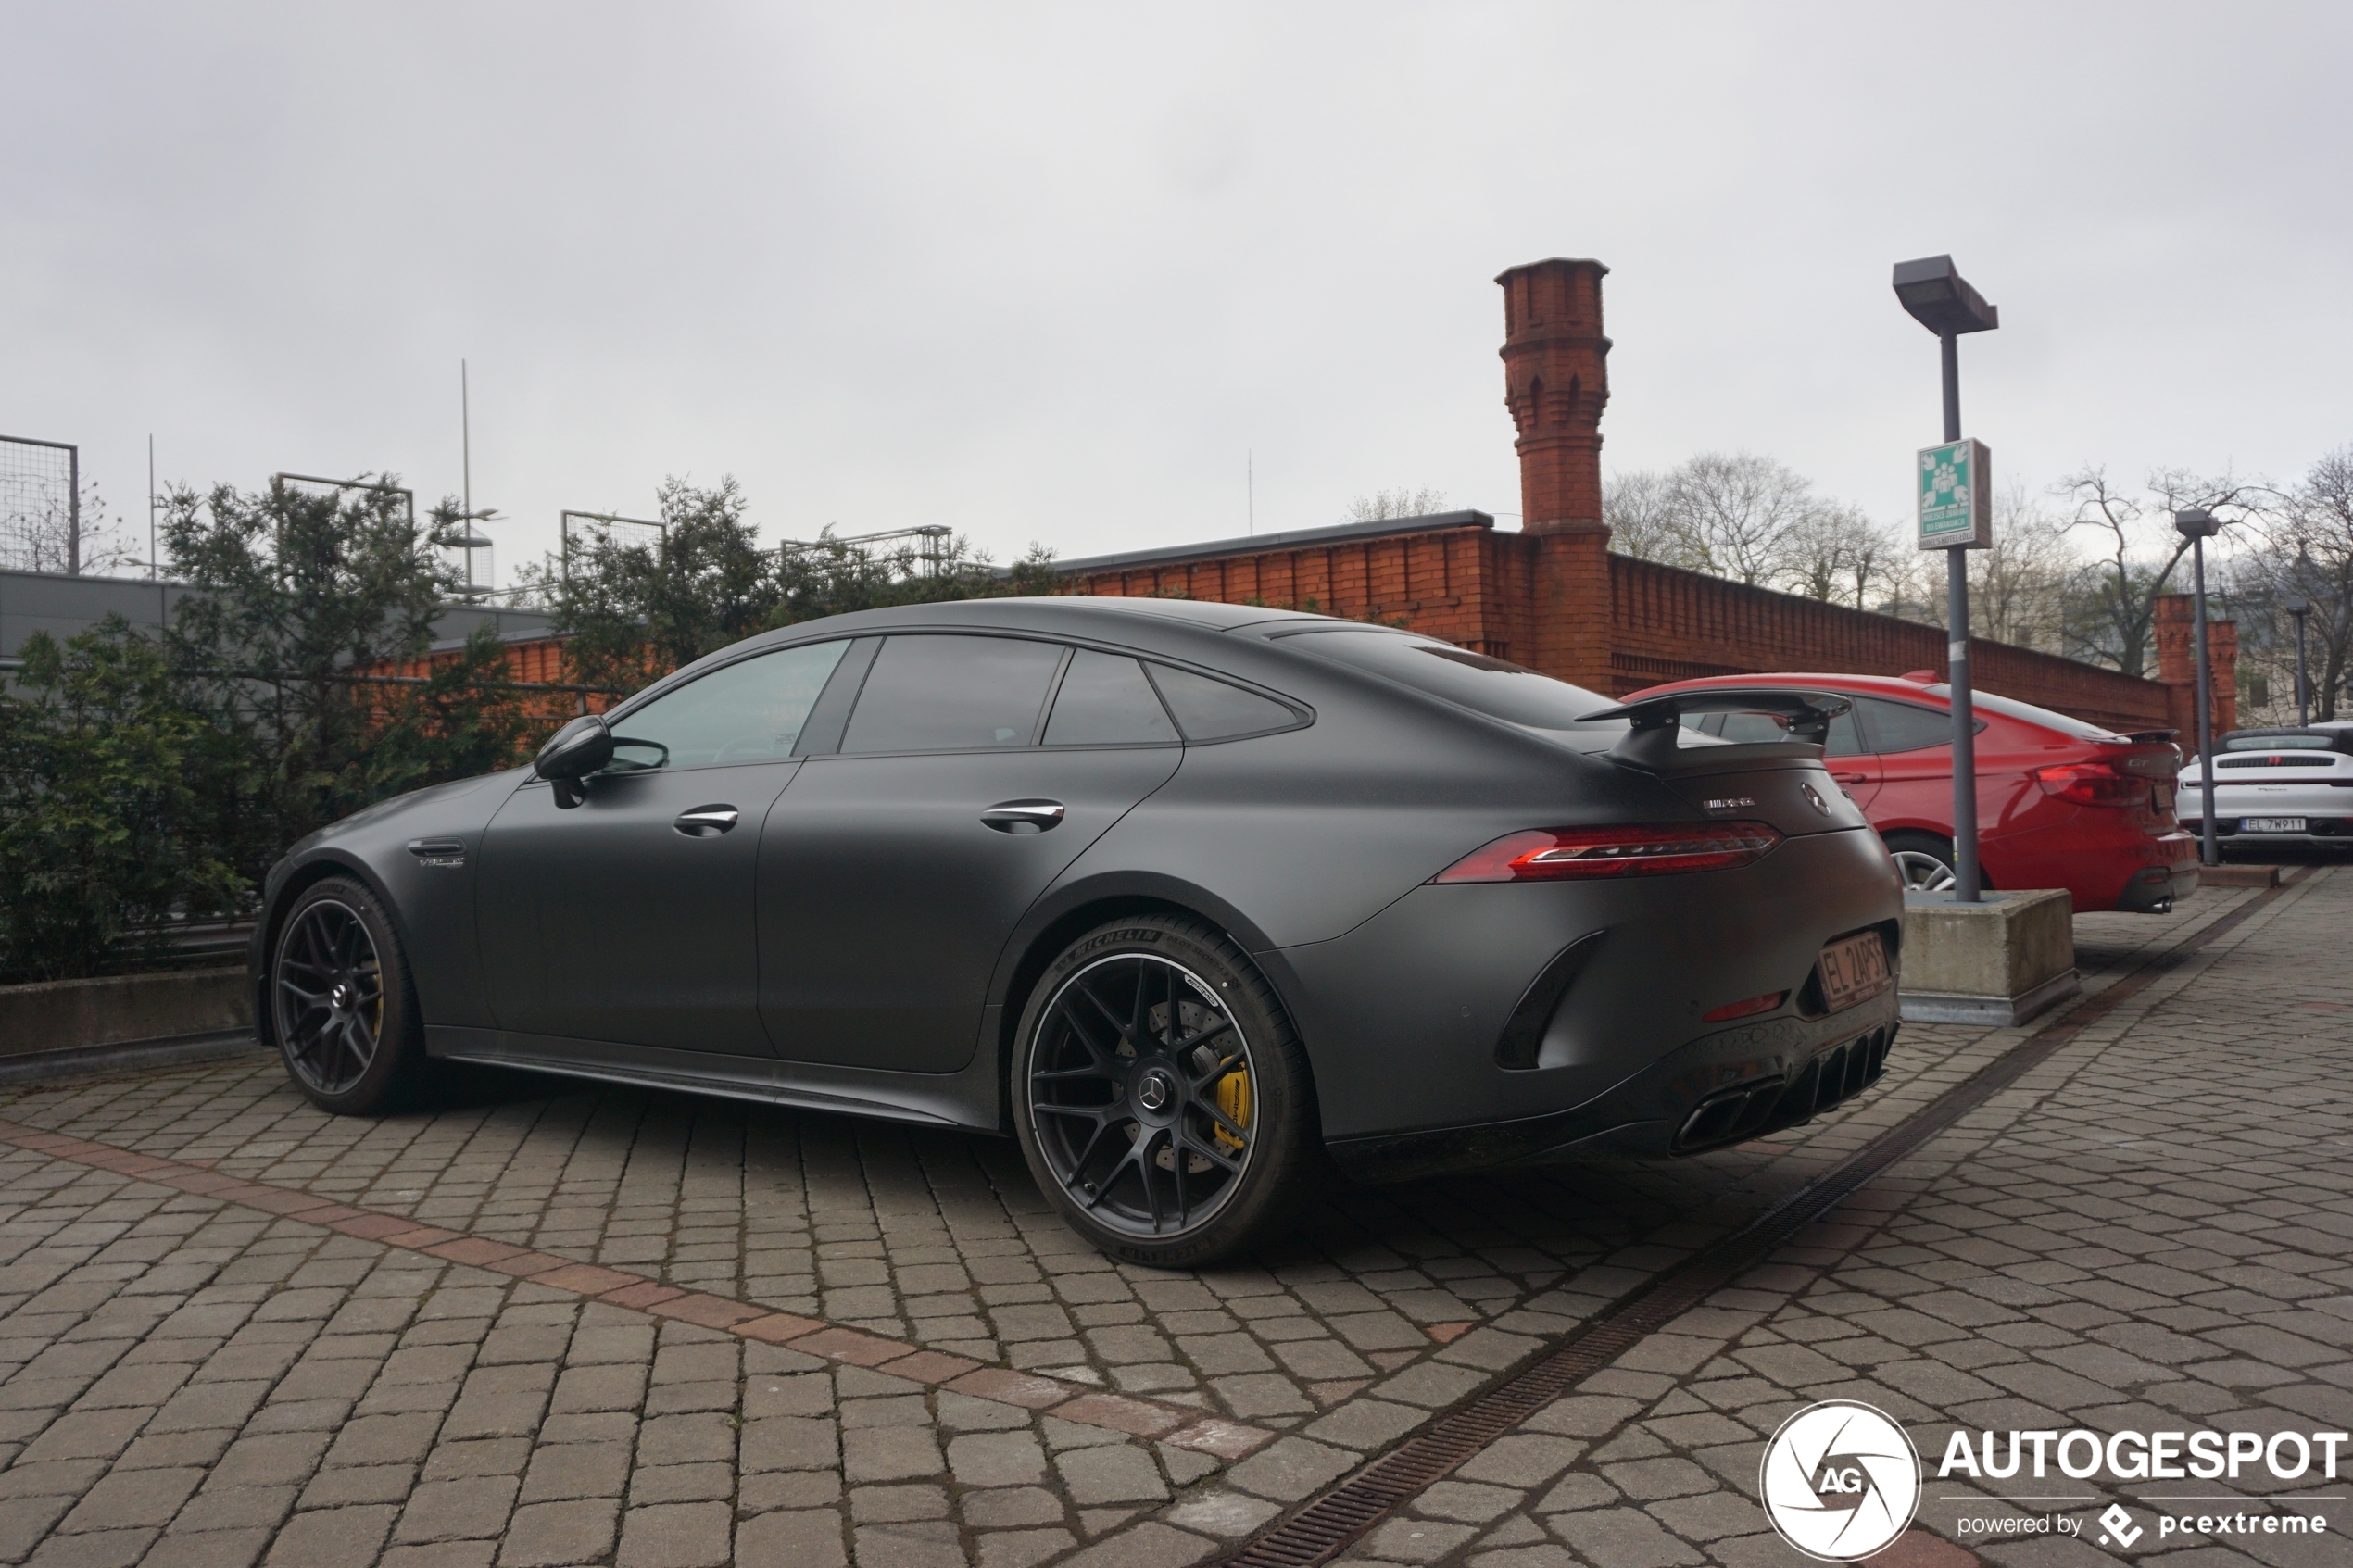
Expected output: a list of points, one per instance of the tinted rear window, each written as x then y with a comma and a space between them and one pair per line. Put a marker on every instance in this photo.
1493, 686
1900, 726
952, 694
1105, 700
2026, 712
1842, 738
1208, 710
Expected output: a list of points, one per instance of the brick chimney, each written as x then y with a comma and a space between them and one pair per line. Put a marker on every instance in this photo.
2175, 629
1556, 383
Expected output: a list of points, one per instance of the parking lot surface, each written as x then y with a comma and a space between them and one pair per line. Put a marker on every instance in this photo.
552, 1323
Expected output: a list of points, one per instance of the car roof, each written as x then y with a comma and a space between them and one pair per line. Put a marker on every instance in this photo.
1058, 611
1175, 628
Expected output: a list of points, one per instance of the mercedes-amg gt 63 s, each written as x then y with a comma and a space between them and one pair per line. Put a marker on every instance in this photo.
1173, 892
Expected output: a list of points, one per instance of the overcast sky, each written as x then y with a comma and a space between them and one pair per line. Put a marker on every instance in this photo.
1055, 273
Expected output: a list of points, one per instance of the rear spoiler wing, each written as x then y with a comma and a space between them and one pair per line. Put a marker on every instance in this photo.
1650, 741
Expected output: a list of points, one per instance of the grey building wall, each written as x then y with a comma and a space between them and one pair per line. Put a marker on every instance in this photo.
47, 601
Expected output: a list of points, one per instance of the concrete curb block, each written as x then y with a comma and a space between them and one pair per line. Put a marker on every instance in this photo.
79, 1016
2238, 876
83, 1061
1935, 1007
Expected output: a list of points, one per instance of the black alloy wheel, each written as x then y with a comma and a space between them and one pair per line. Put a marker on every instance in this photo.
1159, 1094
341, 1007
1140, 1093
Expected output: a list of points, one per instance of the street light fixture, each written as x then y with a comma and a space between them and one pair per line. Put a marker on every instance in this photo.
2197, 525
2300, 608
1935, 294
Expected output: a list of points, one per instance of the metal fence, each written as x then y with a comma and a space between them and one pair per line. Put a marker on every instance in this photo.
40, 505
585, 533
929, 543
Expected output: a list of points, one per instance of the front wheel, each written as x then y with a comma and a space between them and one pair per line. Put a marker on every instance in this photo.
341, 1003
1161, 1097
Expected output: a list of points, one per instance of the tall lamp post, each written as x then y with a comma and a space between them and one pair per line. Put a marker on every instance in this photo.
2197, 525
1938, 298
2300, 608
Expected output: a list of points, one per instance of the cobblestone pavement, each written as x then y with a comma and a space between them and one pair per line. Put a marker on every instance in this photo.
2148, 1232
555, 1323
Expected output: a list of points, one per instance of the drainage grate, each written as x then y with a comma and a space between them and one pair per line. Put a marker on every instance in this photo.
1345, 1513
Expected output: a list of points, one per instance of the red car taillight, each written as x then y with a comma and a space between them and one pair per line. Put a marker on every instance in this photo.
1748, 1008
2092, 783
1584, 854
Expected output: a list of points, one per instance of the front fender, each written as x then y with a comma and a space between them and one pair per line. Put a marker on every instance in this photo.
430, 899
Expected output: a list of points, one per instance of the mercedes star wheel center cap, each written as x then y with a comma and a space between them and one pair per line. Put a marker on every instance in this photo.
1152, 1093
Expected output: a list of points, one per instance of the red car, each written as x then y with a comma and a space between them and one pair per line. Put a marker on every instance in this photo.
2060, 802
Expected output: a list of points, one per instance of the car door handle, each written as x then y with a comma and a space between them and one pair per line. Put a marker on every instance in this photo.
1850, 778
1024, 816
706, 821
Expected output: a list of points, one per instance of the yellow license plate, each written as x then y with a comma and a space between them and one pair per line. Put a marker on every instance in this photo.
1853, 969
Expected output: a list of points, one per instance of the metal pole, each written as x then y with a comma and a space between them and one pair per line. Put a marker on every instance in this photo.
466, 460
2302, 691
74, 511
2206, 855
155, 568
1967, 880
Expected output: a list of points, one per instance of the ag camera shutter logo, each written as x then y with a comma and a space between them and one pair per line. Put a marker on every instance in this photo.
1840, 1480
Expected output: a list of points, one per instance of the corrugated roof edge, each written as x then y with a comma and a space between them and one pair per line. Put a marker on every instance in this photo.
1290, 539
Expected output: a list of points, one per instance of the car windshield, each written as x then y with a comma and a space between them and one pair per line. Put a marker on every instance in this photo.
2026, 712
1483, 683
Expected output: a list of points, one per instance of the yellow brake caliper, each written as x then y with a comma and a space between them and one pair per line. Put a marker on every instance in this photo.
1233, 1098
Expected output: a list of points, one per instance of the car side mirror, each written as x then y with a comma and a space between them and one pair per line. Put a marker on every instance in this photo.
570, 755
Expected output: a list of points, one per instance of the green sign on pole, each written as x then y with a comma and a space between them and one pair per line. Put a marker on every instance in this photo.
1955, 497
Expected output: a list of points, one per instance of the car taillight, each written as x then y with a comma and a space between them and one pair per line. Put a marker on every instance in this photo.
2092, 783
1748, 1008
1585, 853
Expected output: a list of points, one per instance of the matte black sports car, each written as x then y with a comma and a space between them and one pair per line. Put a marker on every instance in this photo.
1175, 892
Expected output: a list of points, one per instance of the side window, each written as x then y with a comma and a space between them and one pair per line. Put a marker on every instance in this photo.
941, 692
1105, 700
1899, 726
1208, 710
1750, 727
1844, 739
749, 711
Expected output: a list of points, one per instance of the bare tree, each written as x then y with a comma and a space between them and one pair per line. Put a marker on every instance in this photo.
2019, 586
1383, 504
2310, 551
1643, 521
1738, 510
45, 543
1832, 552
2139, 552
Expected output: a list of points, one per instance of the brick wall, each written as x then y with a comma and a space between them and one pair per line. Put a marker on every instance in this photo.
1670, 625
1451, 581
533, 660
